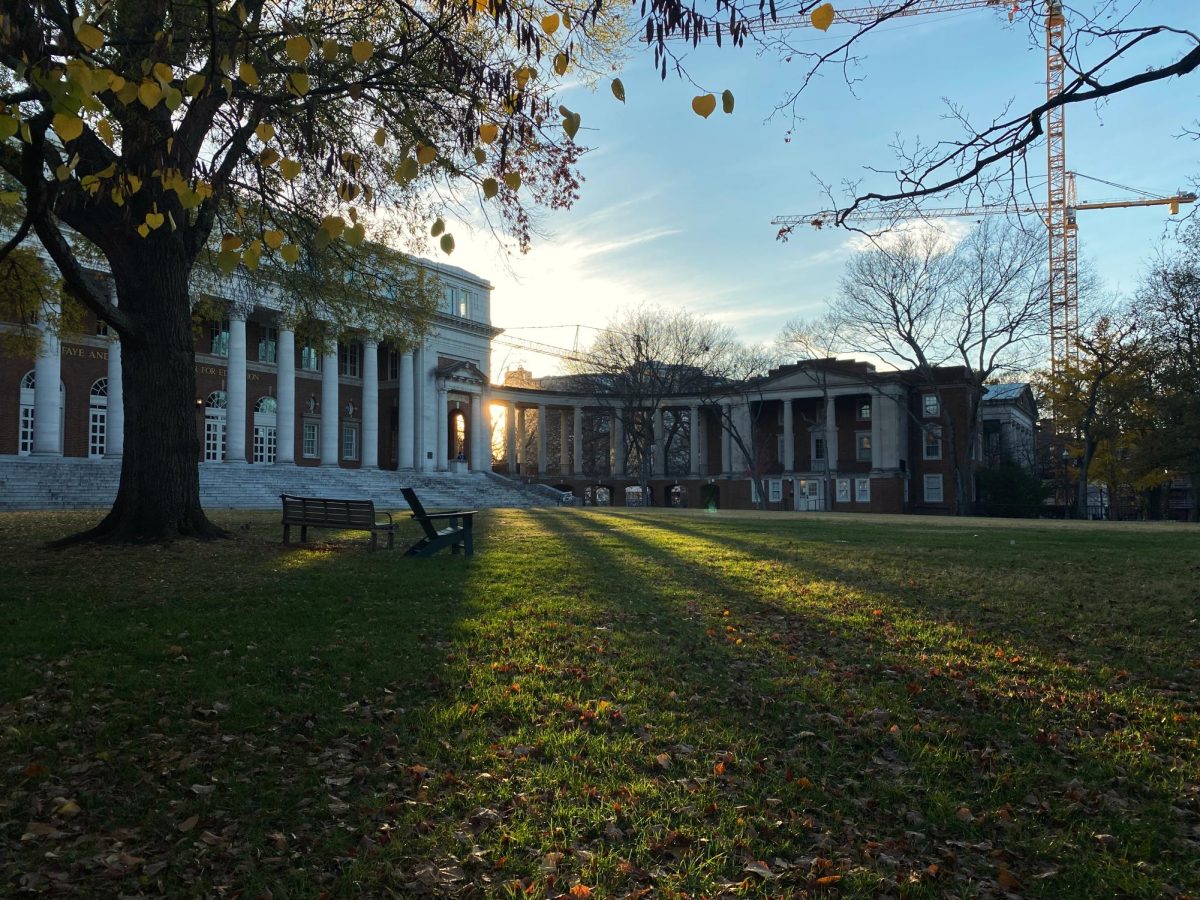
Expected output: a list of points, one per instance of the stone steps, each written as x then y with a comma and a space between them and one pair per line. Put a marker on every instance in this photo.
57, 483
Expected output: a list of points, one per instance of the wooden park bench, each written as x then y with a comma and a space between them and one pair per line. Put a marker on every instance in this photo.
320, 512
456, 534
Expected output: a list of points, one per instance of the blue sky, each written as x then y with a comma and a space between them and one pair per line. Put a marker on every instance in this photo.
676, 210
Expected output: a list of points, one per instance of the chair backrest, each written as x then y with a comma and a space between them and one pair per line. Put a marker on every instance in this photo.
419, 512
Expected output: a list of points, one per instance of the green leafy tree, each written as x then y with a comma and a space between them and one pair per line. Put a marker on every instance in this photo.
172, 142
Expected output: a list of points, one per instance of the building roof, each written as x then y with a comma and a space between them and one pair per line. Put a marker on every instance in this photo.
1001, 392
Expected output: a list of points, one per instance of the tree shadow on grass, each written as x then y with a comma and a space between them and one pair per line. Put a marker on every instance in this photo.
980, 732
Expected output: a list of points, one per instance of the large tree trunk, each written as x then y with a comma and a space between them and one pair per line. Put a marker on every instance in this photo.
159, 494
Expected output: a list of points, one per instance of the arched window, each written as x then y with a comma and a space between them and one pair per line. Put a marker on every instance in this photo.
25, 426
265, 414
214, 426
98, 419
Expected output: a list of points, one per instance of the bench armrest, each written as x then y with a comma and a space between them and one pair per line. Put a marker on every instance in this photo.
389, 519
453, 514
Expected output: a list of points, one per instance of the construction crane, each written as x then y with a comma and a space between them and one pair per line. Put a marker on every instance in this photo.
1064, 304
1059, 212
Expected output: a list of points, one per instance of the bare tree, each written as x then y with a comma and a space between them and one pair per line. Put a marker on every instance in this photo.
642, 359
920, 303
814, 341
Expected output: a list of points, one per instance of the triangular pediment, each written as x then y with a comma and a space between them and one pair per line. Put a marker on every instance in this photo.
462, 372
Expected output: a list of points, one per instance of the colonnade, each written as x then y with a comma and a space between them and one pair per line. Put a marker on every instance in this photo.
422, 396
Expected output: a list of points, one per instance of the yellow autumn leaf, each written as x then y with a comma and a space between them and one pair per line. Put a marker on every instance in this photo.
513, 180
227, 260
426, 155
8, 127
704, 105
265, 131
329, 50
298, 83
333, 226
438, 227
355, 235
289, 169
488, 132
273, 238
571, 122
105, 131
149, 93
143, 230
447, 243
618, 89
822, 16
173, 99
522, 76
252, 254
269, 157
560, 64
380, 137
290, 253
154, 220
480, 156
297, 48
361, 51
550, 23
91, 37
163, 73
247, 73
491, 188
194, 84
727, 102
230, 242
67, 126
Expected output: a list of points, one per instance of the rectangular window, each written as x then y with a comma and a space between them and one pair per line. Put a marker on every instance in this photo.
312, 439
219, 332
264, 443
97, 426
775, 489
310, 360
862, 490
933, 442
864, 410
933, 489
818, 449
350, 359
267, 343
349, 440
450, 299
862, 446
214, 437
393, 369
101, 328
843, 490
25, 442
931, 407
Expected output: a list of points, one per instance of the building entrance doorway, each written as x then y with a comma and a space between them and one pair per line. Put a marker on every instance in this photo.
810, 494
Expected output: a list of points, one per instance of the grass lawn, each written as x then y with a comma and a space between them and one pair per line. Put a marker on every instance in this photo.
605, 704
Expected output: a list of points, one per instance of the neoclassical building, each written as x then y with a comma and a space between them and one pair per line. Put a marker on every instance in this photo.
829, 434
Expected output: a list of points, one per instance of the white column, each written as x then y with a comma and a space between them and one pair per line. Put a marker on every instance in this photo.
47, 390
659, 467
876, 431
285, 405
329, 407
726, 421
745, 427
541, 439
510, 437
789, 436
694, 440
522, 438
577, 441
442, 449
114, 416
481, 456
235, 391
404, 414
617, 432
890, 419
831, 434
564, 442
420, 402
370, 405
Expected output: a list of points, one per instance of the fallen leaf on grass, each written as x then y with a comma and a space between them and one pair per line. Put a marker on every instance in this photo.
188, 824
758, 867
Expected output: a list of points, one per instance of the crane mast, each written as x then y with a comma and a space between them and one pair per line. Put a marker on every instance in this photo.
1059, 212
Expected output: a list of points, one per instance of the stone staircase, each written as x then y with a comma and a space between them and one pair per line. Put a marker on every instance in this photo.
72, 483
